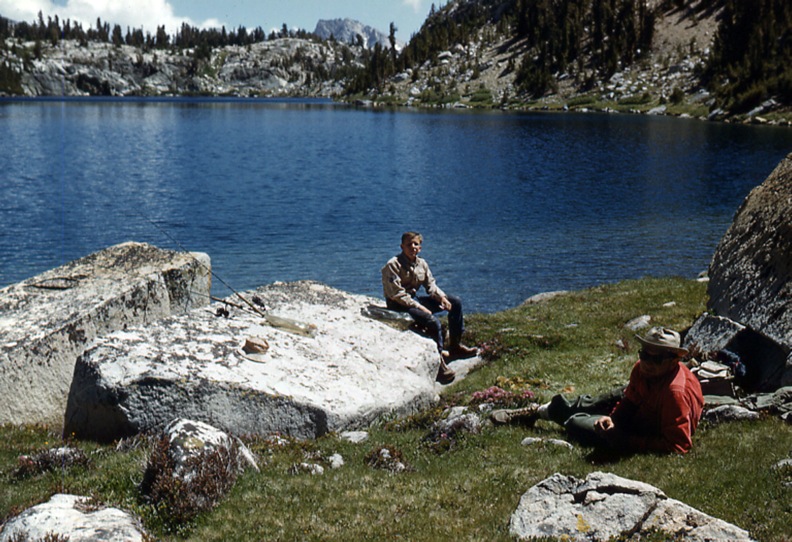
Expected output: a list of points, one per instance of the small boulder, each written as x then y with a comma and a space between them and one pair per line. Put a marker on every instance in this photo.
639, 322
530, 441
355, 437
729, 413
544, 297
458, 420
765, 361
190, 439
192, 467
336, 461
606, 506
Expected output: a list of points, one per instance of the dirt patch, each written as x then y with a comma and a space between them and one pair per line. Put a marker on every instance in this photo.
680, 31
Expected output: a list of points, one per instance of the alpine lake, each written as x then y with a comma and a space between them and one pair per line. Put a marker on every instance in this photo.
509, 204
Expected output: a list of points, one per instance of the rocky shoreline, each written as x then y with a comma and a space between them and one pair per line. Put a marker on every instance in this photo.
307, 68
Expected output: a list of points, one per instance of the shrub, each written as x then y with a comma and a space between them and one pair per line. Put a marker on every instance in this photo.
420, 420
581, 100
492, 349
752, 97
49, 460
179, 495
482, 96
387, 458
677, 96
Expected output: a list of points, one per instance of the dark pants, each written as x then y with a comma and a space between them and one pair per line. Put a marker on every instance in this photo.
430, 322
578, 416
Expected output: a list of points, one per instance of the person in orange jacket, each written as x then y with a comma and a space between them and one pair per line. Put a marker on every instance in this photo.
658, 411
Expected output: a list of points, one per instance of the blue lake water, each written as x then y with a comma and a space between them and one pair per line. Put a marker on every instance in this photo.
510, 204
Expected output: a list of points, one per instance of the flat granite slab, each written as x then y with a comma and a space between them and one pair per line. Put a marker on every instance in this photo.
351, 370
48, 320
607, 507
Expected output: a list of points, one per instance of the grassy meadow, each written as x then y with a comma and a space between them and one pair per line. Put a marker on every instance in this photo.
462, 488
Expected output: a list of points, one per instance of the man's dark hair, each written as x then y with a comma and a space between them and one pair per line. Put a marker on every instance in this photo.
410, 235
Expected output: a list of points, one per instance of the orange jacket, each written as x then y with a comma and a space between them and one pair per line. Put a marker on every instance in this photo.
661, 414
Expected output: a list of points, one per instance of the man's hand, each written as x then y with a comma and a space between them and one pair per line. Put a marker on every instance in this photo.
604, 424
445, 304
605, 427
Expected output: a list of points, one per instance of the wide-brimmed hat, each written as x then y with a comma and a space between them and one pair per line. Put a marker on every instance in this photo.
664, 338
255, 349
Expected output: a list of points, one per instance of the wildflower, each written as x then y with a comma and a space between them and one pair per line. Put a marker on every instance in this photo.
497, 396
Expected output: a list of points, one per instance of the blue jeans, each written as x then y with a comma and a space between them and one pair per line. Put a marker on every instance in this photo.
456, 321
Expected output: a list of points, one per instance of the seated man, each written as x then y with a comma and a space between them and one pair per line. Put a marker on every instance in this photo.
402, 277
658, 411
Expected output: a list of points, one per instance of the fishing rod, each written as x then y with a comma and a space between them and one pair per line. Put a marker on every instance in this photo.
209, 269
287, 324
243, 308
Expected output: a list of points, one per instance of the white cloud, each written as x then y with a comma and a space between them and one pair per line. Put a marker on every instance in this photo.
148, 14
414, 4
23, 10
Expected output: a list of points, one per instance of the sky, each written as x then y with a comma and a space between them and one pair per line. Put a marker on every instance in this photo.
407, 15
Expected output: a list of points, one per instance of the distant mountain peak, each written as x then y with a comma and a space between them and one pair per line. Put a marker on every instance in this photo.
347, 31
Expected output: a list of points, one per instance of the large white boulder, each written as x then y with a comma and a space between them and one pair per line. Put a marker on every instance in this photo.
72, 518
351, 370
47, 321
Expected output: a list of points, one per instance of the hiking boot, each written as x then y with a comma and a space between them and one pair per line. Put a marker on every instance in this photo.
445, 375
524, 416
460, 351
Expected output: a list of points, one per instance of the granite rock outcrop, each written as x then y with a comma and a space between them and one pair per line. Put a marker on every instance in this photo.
750, 286
351, 31
342, 374
751, 270
278, 67
48, 320
605, 506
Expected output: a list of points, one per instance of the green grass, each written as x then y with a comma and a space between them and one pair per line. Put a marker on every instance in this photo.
641, 99
482, 97
568, 344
